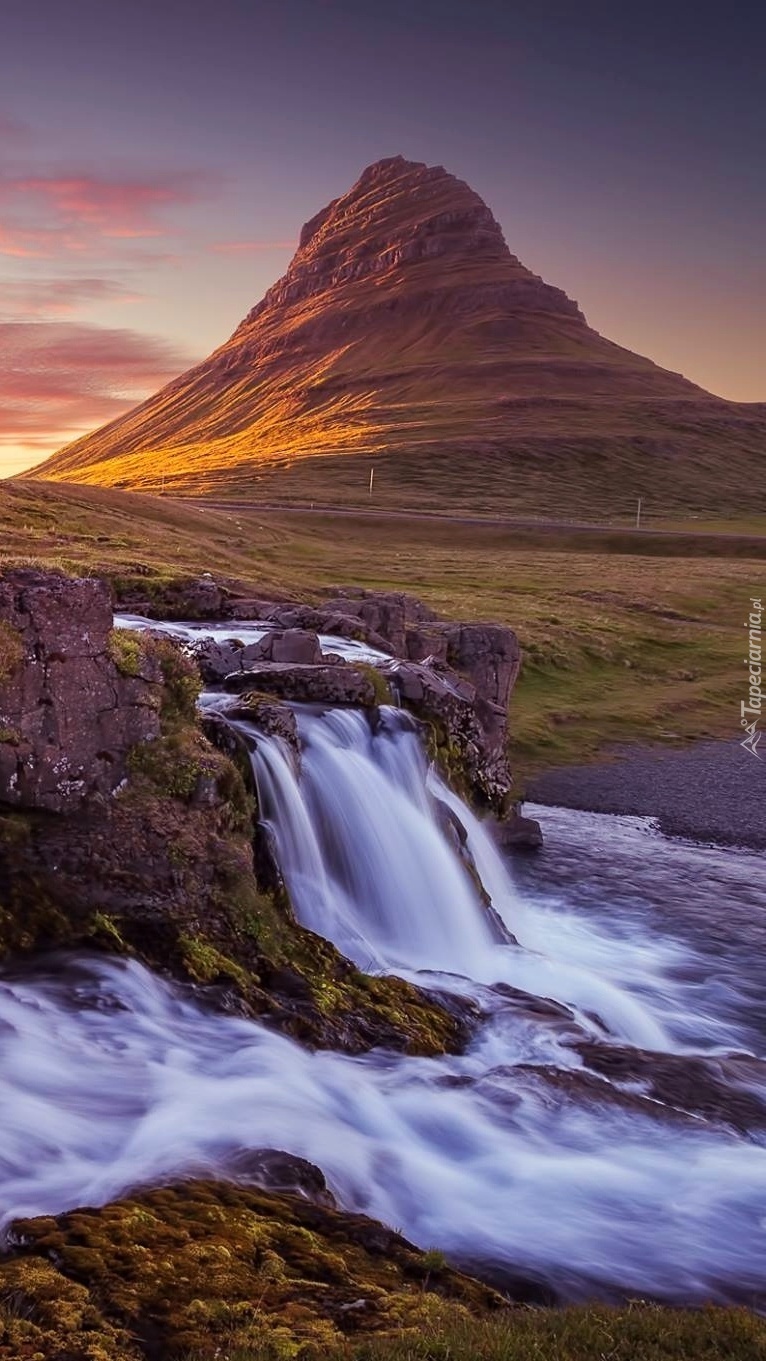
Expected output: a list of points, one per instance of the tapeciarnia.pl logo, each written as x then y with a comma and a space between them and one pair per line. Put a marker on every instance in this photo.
751, 709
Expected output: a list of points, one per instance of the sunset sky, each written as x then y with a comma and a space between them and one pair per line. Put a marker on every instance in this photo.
158, 158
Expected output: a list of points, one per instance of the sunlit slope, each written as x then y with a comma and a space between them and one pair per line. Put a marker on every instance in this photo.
404, 328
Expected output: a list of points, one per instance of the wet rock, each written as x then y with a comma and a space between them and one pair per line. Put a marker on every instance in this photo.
275, 1170
340, 684
516, 832
468, 735
269, 716
217, 660
722, 1089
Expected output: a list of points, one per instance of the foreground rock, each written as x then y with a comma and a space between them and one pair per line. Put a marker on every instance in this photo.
203, 1269
123, 827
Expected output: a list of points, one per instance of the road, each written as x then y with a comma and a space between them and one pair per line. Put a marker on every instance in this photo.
492, 521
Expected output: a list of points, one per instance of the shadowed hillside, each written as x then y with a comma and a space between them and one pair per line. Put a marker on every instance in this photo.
405, 329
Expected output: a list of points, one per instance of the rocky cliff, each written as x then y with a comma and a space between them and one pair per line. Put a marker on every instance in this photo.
405, 328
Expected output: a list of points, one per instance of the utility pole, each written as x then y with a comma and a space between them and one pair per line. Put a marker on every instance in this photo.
372, 479
638, 513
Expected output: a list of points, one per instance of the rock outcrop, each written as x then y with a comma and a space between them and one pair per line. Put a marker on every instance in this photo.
123, 828
404, 327
75, 698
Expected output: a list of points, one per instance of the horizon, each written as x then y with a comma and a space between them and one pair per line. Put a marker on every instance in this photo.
146, 205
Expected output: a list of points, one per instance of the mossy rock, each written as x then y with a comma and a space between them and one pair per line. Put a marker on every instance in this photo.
204, 1269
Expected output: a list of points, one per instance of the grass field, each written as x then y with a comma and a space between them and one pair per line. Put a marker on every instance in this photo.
625, 637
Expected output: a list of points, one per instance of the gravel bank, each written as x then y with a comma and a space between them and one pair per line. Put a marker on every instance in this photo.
712, 791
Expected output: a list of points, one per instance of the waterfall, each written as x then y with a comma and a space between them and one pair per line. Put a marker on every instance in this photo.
369, 863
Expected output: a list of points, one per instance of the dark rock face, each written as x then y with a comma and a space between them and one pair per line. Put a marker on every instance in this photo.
182, 598
72, 705
217, 660
337, 683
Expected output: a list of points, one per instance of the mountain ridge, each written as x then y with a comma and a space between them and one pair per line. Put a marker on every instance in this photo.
405, 328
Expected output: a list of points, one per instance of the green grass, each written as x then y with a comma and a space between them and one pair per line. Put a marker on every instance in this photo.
638, 1333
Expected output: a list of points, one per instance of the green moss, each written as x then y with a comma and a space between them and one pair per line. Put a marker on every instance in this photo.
205, 964
10, 735
181, 682
204, 1269
11, 651
104, 930
126, 649
169, 765
378, 682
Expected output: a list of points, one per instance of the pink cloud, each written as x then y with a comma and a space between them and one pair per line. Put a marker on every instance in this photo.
37, 299
58, 380
45, 215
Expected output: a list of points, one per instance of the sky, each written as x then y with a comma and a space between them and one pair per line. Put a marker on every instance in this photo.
158, 158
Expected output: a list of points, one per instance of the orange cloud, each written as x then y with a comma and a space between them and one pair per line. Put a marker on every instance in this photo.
59, 380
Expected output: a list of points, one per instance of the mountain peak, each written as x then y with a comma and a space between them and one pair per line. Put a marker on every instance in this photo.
404, 326
400, 214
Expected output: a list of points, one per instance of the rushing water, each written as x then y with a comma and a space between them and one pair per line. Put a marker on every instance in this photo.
526, 1157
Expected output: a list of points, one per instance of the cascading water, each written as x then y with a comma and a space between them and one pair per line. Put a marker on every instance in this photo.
515, 1157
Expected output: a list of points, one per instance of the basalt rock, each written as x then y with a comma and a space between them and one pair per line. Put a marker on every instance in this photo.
175, 598
74, 698
217, 660
468, 735
326, 684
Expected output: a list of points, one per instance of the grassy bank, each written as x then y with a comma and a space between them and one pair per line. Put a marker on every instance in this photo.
625, 637
639, 1333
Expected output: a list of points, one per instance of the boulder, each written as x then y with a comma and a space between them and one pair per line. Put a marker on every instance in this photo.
469, 735
488, 654
217, 660
294, 645
74, 697
269, 716
516, 832
333, 684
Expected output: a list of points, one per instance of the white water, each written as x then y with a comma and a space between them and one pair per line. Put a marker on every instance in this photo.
246, 631
510, 1156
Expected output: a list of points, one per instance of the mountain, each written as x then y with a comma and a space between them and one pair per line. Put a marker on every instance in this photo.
404, 328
